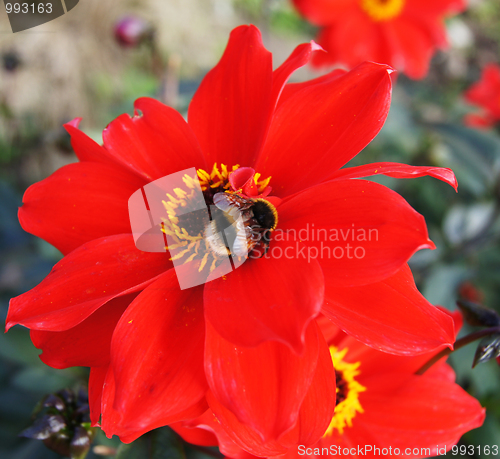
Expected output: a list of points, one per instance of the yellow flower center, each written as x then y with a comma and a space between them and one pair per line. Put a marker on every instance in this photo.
192, 235
348, 390
383, 10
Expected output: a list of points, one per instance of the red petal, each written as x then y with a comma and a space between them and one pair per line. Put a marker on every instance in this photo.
436, 8
314, 417
375, 361
157, 355
87, 344
96, 383
230, 111
83, 281
111, 420
476, 120
157, 143
360, 232
415, 46
485, 94
78, 203
197, 435
206, 429
271, 298
417, 411
244, 436
366, 38
291, 89
441, 370
264, 386
324, 126
317, 409
299, 57
242, 181
397, 170
329, 330
85, 148
390, 315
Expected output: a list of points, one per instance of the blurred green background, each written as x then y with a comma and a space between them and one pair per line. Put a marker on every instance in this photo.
75, 67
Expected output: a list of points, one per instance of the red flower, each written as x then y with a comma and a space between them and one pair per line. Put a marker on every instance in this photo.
468, 291
400, 33
381, 403
485, 94
250, 337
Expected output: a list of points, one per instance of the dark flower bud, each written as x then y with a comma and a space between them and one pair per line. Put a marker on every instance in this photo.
488, 348
54, 401
62, 422
44, 427
478, 315
132, 31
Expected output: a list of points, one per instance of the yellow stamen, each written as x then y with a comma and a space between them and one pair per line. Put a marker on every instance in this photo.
203, 262
262, 184
383, 10
346, 410
181, 194
216, 178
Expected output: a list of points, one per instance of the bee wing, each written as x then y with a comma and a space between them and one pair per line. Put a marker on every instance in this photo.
240, 245
231, 204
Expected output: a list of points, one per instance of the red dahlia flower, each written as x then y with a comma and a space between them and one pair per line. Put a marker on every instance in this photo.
485, 94
400, 33
250, 337
383, 409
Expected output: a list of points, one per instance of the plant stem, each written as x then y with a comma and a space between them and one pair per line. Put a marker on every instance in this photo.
458, 344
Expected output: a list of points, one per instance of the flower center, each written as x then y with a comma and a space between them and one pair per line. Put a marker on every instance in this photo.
348, 390
239, 219
382, 10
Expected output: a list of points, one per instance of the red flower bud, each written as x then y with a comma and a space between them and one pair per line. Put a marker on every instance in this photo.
131, 31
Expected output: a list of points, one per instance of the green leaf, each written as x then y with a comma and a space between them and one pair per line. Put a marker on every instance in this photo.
473, 155
440, 285
464, 223
16, 347
482, 381
161, 443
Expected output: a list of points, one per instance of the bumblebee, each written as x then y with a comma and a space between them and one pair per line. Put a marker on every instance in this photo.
240, 224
